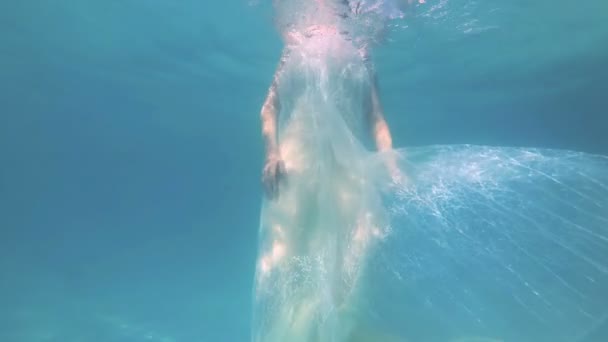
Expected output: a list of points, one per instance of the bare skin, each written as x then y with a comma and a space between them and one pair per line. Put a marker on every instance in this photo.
382, 134
274, 167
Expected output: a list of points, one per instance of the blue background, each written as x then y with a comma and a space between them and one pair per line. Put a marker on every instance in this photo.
130, 151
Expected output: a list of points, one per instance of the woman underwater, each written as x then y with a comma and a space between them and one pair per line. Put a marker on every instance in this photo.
331, 202
322, 212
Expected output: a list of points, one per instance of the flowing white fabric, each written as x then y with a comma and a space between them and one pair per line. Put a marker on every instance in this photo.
315, 237
510, 243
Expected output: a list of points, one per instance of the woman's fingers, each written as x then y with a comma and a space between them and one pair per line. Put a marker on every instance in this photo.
274, 172
267, 181
280, 171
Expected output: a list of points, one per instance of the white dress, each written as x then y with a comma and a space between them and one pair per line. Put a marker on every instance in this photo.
329, 212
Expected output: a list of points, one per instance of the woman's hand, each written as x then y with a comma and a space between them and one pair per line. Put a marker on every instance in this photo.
272, 175
390, 161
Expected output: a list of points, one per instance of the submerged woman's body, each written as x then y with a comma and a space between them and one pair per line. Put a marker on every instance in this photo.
323, 210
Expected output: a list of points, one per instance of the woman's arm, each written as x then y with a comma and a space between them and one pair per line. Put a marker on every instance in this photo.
268, 114
376, 121
380, 130
378, 125
274, 168
382, 133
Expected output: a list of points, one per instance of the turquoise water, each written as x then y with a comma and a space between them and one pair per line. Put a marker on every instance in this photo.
130, 146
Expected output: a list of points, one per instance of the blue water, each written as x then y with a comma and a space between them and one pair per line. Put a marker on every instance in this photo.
130, 151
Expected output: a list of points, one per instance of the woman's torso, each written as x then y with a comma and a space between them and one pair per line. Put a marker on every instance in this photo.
324, 89
324, 83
